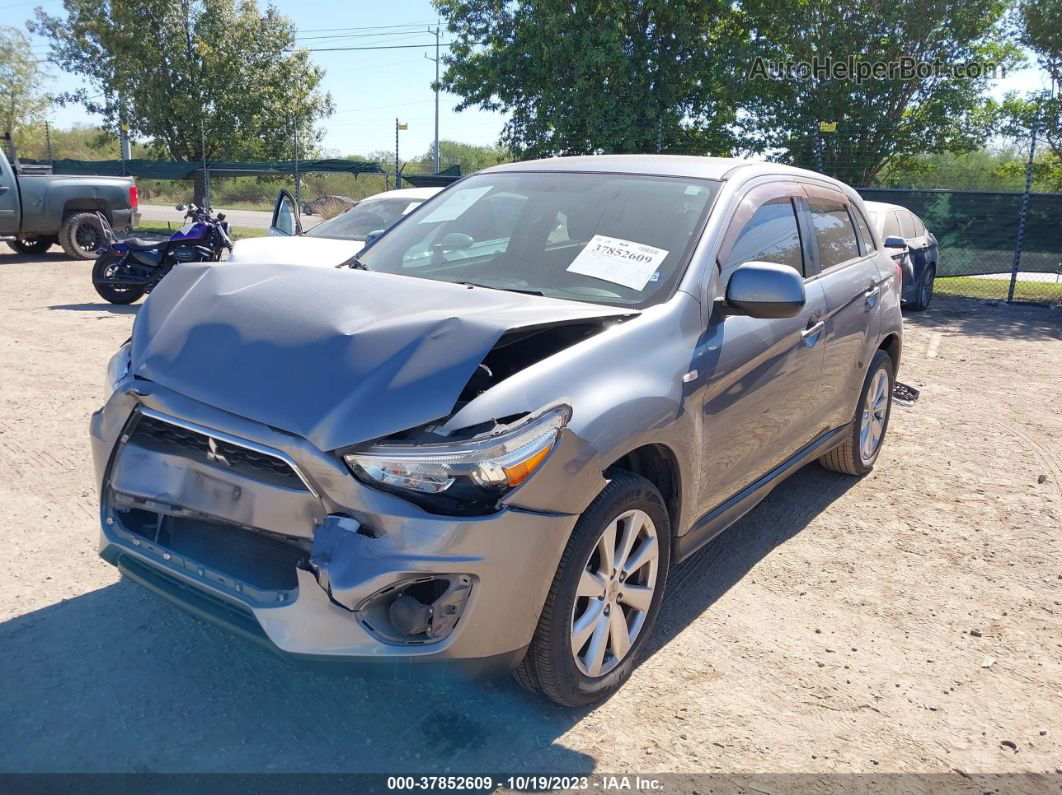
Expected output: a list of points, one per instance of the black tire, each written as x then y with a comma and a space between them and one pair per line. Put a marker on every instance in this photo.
82, 235
847, 458
33, 245
549, 666
924, 292
116, 294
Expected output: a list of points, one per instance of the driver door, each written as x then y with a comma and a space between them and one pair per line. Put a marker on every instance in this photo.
285, 216
763, 375
9, 209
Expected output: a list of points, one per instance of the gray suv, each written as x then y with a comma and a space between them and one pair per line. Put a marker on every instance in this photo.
481, 444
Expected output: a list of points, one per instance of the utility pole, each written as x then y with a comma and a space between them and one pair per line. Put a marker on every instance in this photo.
398, 126
436, 59
48, 141
298, 182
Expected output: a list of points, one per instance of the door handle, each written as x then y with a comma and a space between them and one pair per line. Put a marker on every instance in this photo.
4, 189
810, 335
870, 297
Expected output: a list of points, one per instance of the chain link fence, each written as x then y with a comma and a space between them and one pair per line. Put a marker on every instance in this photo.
977, 232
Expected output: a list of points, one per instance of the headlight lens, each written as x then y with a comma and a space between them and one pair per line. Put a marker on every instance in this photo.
118, 367
490, 465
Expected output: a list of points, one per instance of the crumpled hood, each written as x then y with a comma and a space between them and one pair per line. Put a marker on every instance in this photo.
301, 250
336, 356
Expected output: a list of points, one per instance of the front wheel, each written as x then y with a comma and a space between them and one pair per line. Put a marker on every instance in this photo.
605, 595
867, 432
108, 266
32, 245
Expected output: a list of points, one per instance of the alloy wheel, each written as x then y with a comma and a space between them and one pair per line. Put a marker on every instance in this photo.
615, 593
875, 410
87, 237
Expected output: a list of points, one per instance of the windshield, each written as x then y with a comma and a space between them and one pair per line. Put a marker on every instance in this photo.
617, 239
371, 215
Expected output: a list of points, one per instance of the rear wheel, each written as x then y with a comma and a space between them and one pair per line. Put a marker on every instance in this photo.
108, 266
605, 596
925, 289
867, 432
82, 235
32, 245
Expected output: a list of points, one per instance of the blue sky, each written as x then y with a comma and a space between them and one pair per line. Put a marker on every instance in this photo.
372, 87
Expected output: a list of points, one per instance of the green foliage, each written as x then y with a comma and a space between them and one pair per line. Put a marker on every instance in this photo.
879, 120
470, 157
1040, 29
21, 75
178, 72
583, 76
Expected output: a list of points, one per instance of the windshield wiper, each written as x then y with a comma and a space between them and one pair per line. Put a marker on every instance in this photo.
506, 289
354, 264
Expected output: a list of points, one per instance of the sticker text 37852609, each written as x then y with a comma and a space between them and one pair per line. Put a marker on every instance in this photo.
618, 261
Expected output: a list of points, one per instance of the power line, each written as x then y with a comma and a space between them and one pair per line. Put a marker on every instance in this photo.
381, 47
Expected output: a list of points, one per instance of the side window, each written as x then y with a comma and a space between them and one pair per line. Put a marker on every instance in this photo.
834, 232
866, 239
892, 225
920, 228
771, 235
907, 225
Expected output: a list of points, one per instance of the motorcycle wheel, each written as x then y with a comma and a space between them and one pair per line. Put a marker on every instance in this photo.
105, 268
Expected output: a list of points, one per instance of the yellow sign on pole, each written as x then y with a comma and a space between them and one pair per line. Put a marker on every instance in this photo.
403, 126
827, 126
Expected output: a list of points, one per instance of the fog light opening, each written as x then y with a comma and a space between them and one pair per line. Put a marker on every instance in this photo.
417, 610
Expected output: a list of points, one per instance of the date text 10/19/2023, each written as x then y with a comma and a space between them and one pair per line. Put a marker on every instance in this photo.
523, 783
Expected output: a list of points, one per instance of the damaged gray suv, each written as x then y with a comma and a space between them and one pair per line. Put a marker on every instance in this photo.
481, 445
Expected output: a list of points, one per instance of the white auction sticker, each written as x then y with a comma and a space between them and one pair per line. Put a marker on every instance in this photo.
618, 261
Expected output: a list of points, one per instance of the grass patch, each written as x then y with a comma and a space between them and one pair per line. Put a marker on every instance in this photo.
237, 232
996, 289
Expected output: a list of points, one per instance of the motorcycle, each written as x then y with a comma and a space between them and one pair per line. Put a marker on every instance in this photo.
127, 269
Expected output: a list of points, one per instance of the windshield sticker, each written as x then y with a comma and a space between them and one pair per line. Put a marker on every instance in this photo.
618, 261
410, 206
455, 204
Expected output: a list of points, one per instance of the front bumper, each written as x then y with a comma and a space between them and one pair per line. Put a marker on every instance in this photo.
509, 557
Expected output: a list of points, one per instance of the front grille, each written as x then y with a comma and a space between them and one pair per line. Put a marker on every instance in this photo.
166, 437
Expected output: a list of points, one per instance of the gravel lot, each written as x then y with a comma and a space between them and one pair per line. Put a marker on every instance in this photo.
844, 626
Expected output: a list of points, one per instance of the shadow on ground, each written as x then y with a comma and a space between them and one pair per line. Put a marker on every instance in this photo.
102, 306
119, 681
995, 319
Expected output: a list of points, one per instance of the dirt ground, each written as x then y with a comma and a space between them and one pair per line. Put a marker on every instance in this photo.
910, 621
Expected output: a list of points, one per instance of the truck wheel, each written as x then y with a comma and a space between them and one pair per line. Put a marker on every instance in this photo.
605, 595
82, 235
867, 432
32, 245
106, 267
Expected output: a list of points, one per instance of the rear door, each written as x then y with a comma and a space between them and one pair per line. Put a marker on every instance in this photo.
9, 209
849, 277
762, 375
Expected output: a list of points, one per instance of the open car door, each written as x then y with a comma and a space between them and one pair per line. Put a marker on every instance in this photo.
285, 216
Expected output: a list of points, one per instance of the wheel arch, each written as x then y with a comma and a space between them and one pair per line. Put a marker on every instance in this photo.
658, 464
893, 346
86, 205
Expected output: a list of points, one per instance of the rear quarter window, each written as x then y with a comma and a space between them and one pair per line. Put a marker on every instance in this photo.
834, 233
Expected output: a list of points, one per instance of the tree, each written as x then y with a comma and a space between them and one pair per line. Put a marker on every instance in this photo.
21, 75
1040, 29
879, 118
197, 78
583, 76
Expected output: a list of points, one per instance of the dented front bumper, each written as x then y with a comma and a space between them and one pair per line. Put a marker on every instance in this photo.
258, 530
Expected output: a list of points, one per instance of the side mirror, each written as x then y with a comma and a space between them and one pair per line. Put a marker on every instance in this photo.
375, 233
895, 242
766, 290
179, 207
456, 241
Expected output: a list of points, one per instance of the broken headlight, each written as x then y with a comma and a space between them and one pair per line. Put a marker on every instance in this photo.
118, 367
467, 470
